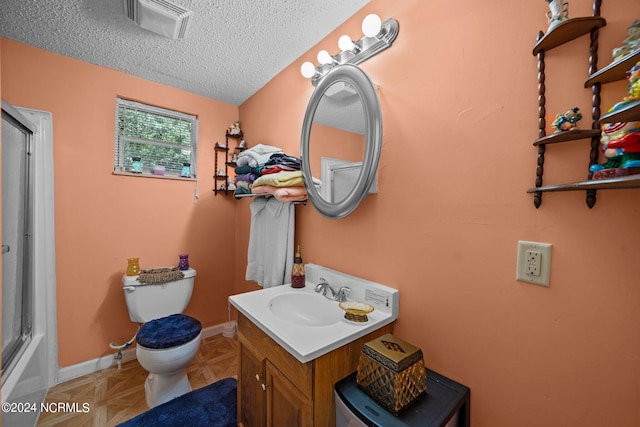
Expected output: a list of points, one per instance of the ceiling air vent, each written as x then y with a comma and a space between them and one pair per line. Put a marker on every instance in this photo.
160, 16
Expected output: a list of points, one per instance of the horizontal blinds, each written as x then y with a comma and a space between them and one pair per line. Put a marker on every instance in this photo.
158, 136
132, 105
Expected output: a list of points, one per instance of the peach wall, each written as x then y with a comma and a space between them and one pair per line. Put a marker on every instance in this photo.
459, 97
103, 219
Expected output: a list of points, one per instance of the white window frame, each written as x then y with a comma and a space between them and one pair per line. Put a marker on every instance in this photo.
119, 162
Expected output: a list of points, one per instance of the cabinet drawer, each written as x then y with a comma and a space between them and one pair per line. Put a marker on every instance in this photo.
298, 373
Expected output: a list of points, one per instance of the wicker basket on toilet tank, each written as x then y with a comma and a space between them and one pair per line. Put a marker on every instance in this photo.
392, 372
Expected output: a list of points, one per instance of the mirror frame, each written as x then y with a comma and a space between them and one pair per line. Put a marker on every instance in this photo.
373, 140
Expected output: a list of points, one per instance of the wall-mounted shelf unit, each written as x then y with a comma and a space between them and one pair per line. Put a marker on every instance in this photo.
567, 31
616, 71
221, 184
631, 181
628, 113
573, 135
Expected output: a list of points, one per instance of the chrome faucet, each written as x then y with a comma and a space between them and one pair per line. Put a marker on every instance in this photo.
342, 297
324, 286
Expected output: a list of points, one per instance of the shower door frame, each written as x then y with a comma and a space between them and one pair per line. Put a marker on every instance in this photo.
38, 365
17, 246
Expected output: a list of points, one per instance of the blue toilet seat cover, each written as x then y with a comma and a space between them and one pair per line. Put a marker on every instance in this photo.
167, 332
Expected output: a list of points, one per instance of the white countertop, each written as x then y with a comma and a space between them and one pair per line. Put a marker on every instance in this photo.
306, 342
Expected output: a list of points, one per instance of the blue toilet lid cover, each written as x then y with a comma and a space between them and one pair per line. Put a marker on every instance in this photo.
167, 332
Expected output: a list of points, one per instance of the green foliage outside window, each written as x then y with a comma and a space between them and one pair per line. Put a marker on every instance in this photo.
157, 139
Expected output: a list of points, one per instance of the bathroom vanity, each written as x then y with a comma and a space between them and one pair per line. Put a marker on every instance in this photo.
295, 345
276, 389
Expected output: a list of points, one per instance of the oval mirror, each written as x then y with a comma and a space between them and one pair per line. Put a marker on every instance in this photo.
341, 141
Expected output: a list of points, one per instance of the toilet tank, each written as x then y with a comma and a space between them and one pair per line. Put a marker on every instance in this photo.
148, 302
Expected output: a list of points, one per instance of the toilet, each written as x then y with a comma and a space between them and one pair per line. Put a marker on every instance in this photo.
168, 340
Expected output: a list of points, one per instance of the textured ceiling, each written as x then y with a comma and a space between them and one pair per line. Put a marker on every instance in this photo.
232, 47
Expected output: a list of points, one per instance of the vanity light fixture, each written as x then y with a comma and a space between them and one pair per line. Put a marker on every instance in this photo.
324, 57
378, 36
371, 25
345, 43
308, 70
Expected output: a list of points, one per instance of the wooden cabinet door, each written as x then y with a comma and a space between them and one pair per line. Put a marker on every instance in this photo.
251, 394
286, 404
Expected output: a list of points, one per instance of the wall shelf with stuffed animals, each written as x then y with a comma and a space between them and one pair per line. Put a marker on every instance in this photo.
615, 134
223, 182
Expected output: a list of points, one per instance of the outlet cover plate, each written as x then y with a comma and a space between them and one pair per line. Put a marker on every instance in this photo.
545, 263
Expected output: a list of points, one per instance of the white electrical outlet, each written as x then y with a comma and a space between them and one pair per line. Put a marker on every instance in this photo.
534, 263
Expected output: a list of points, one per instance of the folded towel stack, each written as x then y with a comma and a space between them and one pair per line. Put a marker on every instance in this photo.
157, 276
267, 170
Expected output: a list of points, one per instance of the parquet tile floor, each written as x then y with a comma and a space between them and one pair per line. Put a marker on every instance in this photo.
115, 396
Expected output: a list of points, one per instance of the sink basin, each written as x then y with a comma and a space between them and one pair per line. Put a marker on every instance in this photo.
306, 309
307, 324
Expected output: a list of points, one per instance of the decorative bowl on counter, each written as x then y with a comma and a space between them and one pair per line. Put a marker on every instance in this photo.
356, 311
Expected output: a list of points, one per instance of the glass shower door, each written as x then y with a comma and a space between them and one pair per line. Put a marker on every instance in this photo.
16, 230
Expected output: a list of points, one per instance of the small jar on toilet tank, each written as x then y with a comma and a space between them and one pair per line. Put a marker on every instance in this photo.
183, 264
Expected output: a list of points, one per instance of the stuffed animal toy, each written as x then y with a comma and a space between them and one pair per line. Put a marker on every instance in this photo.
631, 43
621, 141
634, 84
234, 129
620, 145
567, 120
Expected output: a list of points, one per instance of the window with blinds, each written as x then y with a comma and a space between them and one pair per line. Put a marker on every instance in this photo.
153, 141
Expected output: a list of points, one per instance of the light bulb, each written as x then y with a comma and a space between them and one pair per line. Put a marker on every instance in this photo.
345, 43
308, 70
371, 25
324, 57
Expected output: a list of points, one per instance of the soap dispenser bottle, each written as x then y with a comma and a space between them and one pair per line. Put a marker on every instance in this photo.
297, 272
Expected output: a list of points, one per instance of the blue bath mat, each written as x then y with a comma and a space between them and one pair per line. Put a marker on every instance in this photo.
212, 406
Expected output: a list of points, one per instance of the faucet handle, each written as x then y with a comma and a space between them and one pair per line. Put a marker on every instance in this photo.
342, 297
322, 286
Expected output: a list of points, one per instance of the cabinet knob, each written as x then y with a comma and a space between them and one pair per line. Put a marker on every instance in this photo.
257, 377
264, 387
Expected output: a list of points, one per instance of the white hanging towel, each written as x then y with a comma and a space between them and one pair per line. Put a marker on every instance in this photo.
270, 255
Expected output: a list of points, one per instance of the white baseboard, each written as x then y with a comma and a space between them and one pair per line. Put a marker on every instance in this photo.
90, 366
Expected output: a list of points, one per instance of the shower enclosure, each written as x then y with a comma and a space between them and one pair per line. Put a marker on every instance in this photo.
29, 355
17, 282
